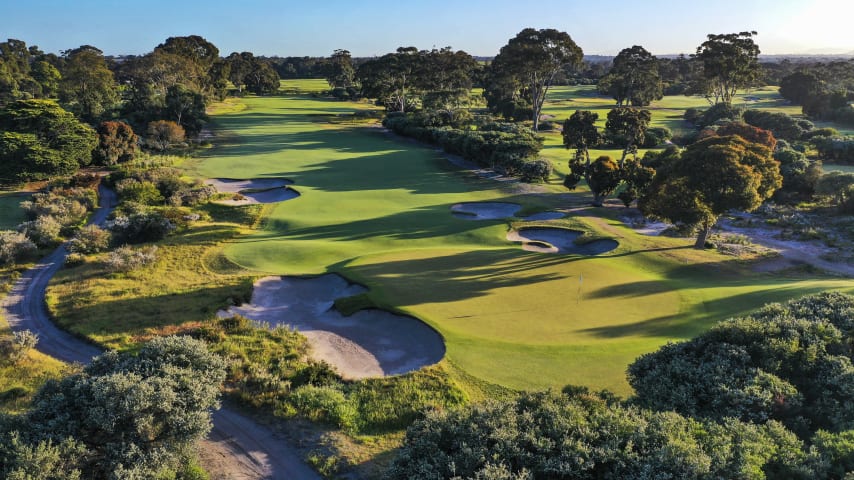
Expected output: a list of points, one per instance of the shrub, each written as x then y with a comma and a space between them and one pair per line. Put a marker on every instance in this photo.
781, 125
140, 227
655, 136
116, 143
90, 239
43, 231
536, 171
15, 347
14, 247
125, 258
163, 134
68, 206
142, 192
324, 404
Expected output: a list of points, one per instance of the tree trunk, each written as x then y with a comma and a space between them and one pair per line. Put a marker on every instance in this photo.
705, 230
598, 200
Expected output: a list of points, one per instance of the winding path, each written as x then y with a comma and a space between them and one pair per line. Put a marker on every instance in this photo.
244, 448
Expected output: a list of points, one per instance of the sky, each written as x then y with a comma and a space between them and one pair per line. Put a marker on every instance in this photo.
374, 27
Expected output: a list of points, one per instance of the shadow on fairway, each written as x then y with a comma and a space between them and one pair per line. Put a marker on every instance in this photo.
465, 275
685, 324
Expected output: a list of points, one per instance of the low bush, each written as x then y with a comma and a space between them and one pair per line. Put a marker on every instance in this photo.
125, 258
140, 227
14, 348
14, 247
536, 171
90, 239
43, 231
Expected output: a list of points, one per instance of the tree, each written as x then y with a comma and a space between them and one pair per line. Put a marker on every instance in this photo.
186, 108
713, 176
47, 77
391, 79
164, 133
603, 177
202, 54
580, 132
633, 78
128, 416
340, 71
38, 140
262, 79
87, 87
730, 61
801, 86
749, 133
532, 59
116, 143
626, 127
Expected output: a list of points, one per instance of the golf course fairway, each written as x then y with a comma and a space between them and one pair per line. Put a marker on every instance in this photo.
376, 209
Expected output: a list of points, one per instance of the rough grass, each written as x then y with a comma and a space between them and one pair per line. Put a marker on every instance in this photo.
376, 209
186, 284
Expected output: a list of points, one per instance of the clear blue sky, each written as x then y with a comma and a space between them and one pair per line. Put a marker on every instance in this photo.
480, 27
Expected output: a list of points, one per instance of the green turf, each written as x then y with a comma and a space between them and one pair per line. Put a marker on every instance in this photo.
11, 214
376, 208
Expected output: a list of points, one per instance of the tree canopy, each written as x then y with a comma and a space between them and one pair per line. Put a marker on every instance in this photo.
530, 61
122, 416
713, 176
730, 61
633, 78
40, 140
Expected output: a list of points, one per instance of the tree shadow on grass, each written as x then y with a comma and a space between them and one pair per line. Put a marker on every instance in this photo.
698, 317
463, 275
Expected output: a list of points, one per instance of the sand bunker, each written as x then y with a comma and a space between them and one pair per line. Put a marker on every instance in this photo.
559, 240
485, 210
496, 211
369, 343
259, 190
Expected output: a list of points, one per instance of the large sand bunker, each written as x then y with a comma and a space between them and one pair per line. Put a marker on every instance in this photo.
259, 190
559, 240
369, 343
496, 211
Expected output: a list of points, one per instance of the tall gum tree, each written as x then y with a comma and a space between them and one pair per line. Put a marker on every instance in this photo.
730, 61
533, 58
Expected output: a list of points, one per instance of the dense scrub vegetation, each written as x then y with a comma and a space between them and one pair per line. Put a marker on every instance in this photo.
762, 396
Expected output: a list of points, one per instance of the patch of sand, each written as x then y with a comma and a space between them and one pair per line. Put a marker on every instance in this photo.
259, 190
558, 240
497, 211
369, 343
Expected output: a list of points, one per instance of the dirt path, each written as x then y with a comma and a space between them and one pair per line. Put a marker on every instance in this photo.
237, 448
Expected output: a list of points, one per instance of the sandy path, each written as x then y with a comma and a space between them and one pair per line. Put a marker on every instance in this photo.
237, 447
369, 343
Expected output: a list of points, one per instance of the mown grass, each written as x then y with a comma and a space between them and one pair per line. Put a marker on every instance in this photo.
376, 209
11, 213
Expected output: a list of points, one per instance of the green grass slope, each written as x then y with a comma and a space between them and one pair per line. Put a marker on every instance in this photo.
376, 209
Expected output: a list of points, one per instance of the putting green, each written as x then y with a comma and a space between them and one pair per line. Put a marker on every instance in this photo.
377, 209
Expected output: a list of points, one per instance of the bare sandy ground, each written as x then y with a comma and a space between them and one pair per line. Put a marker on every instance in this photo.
558, 240
497, 211
369, 343
259, 190
791, 252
